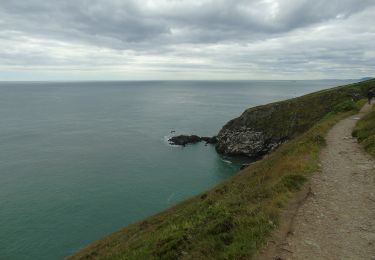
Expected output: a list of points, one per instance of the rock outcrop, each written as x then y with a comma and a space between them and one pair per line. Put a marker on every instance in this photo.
256, 132
261, 129
209, 140
191, 139
246, 141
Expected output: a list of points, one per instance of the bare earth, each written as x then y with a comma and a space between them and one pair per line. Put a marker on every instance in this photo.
336, 217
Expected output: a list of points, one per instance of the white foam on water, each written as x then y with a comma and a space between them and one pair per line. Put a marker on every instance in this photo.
226, 161
165, 140
170, 197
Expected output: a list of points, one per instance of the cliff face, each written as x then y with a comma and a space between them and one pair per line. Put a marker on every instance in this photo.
261, 129
253, 133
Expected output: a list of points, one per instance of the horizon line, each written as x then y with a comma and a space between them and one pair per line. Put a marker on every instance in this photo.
171, 80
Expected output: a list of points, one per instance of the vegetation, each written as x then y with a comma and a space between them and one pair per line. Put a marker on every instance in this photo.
365, 132
277, 122
288, 118
234, 219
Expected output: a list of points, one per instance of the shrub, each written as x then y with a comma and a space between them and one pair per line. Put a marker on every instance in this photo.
345, 106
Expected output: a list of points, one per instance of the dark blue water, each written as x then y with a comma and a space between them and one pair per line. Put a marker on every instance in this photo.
81, 160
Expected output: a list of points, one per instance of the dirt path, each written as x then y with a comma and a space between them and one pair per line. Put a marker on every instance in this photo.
337, 218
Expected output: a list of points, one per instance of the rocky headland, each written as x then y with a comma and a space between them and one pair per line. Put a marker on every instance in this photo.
191, 139
261, 129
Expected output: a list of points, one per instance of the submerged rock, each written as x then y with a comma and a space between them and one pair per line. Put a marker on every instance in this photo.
209, 140
191, 139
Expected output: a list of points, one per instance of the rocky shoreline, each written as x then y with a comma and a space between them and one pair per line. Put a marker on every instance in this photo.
260, 130
191, 139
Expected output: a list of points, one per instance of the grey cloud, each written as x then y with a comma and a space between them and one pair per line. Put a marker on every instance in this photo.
278, 36
93, 22
132, 24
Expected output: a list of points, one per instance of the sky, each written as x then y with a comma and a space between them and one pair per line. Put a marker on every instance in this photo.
186, 39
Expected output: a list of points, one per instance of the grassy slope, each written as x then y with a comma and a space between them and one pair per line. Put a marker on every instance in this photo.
283, 120
230, 221
365, 132
301, 113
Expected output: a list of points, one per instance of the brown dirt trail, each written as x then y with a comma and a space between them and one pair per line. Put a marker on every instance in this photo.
336, 218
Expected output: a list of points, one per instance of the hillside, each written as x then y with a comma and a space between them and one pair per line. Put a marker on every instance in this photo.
335, 217
261, 129
235, 218
365, 132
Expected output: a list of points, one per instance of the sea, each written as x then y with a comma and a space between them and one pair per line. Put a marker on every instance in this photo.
79, 160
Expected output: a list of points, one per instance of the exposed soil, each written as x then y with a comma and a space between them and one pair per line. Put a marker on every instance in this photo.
334, 216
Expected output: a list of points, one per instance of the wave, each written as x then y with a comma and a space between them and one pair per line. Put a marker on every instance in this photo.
165, 140
226, 161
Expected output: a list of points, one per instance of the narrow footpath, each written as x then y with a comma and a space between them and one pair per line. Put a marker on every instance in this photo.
336, 219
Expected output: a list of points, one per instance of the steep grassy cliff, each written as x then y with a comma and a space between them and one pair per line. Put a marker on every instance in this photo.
365, 132
234, 219
261, 129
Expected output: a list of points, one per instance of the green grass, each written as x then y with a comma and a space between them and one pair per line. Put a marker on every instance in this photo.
365, 132
232, 220
287, 119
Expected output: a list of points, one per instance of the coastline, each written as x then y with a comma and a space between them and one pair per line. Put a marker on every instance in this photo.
223, 210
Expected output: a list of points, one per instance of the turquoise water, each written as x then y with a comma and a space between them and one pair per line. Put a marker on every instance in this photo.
80, 160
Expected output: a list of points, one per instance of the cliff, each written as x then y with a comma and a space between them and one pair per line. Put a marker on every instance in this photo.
234, 219
261, 129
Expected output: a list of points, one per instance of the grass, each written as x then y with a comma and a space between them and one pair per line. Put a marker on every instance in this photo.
232, 220
365, 132
287, 119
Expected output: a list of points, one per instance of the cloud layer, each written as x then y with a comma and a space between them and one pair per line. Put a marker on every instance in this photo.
180, 39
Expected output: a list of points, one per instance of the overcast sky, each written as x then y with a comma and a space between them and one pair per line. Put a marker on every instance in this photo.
186, 39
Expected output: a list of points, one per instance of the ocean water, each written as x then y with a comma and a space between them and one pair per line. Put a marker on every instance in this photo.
80, 160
